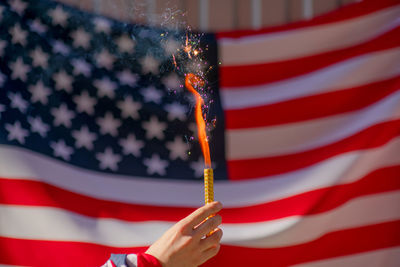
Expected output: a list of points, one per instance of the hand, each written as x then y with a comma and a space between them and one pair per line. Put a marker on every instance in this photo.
185, 244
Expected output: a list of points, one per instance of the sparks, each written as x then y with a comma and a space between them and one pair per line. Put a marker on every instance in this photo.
173, 57
187, 48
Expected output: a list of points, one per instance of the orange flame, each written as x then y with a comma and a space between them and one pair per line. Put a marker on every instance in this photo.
190, 81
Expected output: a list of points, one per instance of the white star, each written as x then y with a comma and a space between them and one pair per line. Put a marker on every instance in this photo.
102, 25
16, 132
198, 167
60, 47
177, 149
150, 65
154, 128
17, 101
105, 87
152, 94
62, 116
19, 70
59, 16
81, 67
127, 78
85, 103
2, 109
39, 58
131, 145
3, 45
63, 81
172, 82
3, 79
37, 26
80, 38
108, 160
129, 108
108, 124
18, 6
38, 126
60, 149
156, 165
125, 44
105, 59
40, 93
176, 111
171, 47
84, 138
18, 35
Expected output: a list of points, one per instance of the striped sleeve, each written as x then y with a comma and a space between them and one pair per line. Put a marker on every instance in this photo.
132, 260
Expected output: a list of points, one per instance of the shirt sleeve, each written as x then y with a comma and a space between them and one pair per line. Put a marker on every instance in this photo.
132, 260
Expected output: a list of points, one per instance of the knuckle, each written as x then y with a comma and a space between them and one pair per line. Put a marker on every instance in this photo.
184, 229
187, 241
221, 233
216, 220
217, 237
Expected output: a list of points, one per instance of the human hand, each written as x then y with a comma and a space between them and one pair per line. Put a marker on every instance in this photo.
185, 244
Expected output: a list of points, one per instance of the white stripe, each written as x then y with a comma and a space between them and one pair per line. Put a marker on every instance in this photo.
18, 163
55, 224
300, 229
297, 137
307, 41
58, 225
351, 73
389, 257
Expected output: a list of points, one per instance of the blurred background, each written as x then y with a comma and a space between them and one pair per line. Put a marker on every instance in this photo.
208, 15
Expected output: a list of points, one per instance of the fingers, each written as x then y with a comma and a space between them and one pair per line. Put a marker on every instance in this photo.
202, 213
207, 226
211, 241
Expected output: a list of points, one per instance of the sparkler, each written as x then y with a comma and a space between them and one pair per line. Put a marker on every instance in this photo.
192, 81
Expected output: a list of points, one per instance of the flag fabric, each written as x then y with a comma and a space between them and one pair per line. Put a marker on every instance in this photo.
97, 139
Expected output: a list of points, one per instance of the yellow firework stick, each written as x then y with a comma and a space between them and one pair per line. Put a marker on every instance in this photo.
209, 189
208, 185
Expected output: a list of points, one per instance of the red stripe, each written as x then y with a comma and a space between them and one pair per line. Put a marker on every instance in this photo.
345, 13
340, 243
311, 107
233, 77
31, 193
371, 137
317, 201
56, 253
335, 244
34, 193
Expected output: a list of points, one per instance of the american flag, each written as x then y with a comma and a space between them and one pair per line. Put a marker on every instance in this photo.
96, 149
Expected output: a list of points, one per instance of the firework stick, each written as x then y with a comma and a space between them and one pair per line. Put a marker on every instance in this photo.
190, 81
209, 190
208, 185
